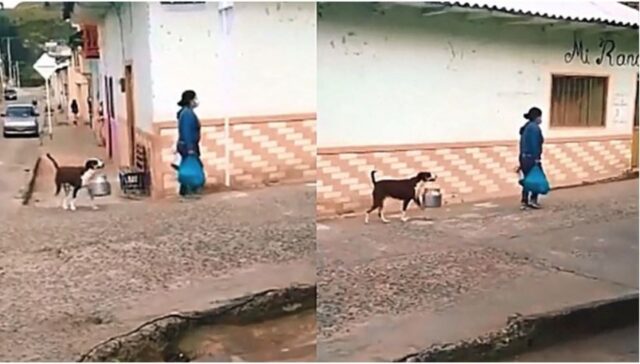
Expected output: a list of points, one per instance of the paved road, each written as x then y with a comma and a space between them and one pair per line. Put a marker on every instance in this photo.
388, 290
17, 155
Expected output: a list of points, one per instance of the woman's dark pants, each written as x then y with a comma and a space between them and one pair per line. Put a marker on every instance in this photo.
526, 164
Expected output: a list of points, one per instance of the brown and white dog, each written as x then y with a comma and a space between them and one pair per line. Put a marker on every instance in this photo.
406, 190
74, 178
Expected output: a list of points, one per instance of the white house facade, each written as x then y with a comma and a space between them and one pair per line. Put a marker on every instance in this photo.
252, 66
443, 87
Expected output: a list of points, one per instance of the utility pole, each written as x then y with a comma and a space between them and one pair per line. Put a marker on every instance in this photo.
1, 71
1, 75
18, 74
9, 63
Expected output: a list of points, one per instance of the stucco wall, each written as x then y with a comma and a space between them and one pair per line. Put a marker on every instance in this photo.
124, 38
272, 59
402, 78
77, 89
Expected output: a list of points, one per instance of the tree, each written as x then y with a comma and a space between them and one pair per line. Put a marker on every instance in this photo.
32, 24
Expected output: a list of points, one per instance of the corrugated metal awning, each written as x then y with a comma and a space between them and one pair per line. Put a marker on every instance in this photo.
603, 12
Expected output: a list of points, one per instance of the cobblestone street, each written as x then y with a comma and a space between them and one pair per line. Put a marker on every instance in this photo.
386, 290
70, 280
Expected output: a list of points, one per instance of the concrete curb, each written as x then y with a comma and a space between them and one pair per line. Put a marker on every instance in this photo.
27, 190
627, 175
157, 339
526, 333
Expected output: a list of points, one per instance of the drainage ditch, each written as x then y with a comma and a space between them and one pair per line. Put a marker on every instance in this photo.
618, 345
548, 335
274, 325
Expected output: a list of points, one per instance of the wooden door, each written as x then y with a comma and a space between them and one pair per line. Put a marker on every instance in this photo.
634, 143
108, 107
131, 128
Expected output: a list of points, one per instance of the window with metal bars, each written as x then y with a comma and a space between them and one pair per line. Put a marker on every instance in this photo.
578, 101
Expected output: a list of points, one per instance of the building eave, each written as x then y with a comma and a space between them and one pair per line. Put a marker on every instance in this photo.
542, 12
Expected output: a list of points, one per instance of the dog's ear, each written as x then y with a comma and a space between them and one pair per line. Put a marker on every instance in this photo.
90, 164
428, 176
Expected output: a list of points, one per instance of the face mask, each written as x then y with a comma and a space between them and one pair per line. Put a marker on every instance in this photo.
195, 104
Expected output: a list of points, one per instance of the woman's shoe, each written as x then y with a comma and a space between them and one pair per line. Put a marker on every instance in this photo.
524, 206
534, 205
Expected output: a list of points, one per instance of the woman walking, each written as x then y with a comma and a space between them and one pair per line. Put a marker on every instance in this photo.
75, 110
531, 141
188, 136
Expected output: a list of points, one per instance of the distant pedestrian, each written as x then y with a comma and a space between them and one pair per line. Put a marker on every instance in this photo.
90, 108
102, 141
531, 141
75, 111
188, 144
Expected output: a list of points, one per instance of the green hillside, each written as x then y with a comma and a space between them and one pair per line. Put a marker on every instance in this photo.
32, 24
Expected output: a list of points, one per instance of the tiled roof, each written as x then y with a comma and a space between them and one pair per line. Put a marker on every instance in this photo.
603, 11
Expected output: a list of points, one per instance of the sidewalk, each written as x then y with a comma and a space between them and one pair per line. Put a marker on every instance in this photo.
387, 290
72, 146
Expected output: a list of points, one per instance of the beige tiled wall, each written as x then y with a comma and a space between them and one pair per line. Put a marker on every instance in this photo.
466, 173
260, 152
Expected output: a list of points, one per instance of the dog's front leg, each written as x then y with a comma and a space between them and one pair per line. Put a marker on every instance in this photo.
74, 195
91, 198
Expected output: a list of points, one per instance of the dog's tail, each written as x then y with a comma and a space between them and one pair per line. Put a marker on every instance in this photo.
55, 164
373, 177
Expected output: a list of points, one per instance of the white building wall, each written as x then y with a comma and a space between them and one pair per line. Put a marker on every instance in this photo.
271, 52
124, 36
402, 78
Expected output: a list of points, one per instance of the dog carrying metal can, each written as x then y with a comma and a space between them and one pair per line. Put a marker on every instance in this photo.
100, 186
432, 198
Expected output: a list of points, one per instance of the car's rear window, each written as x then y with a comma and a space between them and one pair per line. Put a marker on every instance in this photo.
20, 112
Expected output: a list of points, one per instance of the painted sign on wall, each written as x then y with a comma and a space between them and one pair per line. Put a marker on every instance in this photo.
606, 53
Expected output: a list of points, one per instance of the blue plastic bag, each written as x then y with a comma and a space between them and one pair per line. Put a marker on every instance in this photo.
536, 181
190, 172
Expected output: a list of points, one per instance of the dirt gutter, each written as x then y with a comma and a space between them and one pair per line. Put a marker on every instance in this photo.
157, 339
525, 333
27, 190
